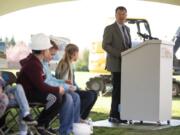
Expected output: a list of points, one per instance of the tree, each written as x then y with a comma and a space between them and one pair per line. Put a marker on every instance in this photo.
9, 42
6, 41
82, 63
12, 41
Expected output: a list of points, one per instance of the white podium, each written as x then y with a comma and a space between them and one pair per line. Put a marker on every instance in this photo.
146, 84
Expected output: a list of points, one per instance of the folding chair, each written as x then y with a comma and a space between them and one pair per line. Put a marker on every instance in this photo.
13, 111
37, 107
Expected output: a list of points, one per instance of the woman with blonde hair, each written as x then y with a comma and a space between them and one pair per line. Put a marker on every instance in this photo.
32, 78
65, 71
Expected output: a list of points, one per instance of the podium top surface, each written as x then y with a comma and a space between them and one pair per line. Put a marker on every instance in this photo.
148, 42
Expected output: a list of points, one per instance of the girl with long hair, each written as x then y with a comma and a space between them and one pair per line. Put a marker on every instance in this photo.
65, 71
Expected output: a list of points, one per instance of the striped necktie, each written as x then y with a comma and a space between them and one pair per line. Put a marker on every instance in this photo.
126, 39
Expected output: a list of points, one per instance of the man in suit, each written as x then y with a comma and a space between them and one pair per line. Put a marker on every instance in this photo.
116, 39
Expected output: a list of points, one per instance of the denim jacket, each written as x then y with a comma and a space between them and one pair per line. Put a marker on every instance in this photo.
51, 80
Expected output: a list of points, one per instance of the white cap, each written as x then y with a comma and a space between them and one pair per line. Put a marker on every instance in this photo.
40, 42
61, 42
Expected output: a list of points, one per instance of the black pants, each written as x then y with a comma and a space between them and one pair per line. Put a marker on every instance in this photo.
88, 99
52, 104
3, 120
116, 94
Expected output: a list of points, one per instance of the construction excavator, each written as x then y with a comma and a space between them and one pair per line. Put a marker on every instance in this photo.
176, 64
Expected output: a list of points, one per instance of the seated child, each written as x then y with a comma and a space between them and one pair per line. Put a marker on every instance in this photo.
16, 96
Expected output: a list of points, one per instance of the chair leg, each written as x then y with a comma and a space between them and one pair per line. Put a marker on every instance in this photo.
32, 130
1, 132
11, 121
53, 121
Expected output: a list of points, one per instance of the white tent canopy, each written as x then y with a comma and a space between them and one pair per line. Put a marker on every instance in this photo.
7, 6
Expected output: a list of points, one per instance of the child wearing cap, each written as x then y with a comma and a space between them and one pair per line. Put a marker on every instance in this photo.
32, 78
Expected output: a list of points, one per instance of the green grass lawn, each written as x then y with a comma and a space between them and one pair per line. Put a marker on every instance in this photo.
101, 109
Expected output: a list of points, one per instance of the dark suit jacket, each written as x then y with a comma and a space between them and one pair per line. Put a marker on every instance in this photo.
113, 44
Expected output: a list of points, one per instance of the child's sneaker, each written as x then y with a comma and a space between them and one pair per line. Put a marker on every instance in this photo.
29, 120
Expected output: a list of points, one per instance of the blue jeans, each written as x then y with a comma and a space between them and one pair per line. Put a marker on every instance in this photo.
69, 113
20, 100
